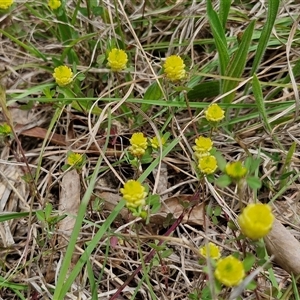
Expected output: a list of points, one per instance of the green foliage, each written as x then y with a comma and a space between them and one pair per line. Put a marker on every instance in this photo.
80, 35
260, 103
237, 64
249, 261
265, 34
48, 218
219, 37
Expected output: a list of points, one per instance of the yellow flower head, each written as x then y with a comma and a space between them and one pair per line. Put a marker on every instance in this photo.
174, 68
5, 4
154, 142
214, 113
207, 164
210, 250
74, 159
134, 194
54, 4
117, 59
5, 129
236, 170
63, 75
138, 144
230, 271
202, 147
256, 220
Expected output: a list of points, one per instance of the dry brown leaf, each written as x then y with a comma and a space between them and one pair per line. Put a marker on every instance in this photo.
69, 204
174, 206
285, 248
59, 139
171, 205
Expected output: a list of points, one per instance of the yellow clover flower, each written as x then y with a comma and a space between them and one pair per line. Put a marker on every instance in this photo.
207, 164
138, 144
5, 4
154, 142
5, 129
202, 147
134, 194
63, 75
256, 220
117, 59
54, 4
214, 113
210, 250
229, 271
74, 159
236, 170
174, 68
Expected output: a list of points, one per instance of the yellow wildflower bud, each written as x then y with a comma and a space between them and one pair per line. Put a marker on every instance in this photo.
5, 4
256, 220
154, 142
202, 147
229, 271
134, 194
236, 170
117, 59
207, 164
63, 75
5, 129
214, 113
54, 4
74, 159
174, 68
210, 250
138, 144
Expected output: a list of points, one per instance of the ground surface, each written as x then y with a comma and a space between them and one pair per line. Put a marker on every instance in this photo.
99, 245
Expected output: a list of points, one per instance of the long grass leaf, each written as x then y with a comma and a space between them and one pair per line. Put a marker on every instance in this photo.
5, 216
219, 37
203, 90
273, 6
64, 281
224, 11
28, 47
258, 95
237, 64
287, 164
63, 289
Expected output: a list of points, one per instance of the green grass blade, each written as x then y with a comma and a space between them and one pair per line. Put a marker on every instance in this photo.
13, 286
92, 280
287, 164
5, 216
224, 11
237, 64
203, 90
30, 47
295, 287
260, 103
219, 37
64, 287
154, 164
64, 282
273, 6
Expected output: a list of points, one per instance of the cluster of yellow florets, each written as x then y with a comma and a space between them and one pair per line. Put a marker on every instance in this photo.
207, 163
54, 4
138, 144
63, 75
255, 222
5, 4
134, 194
229, 270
